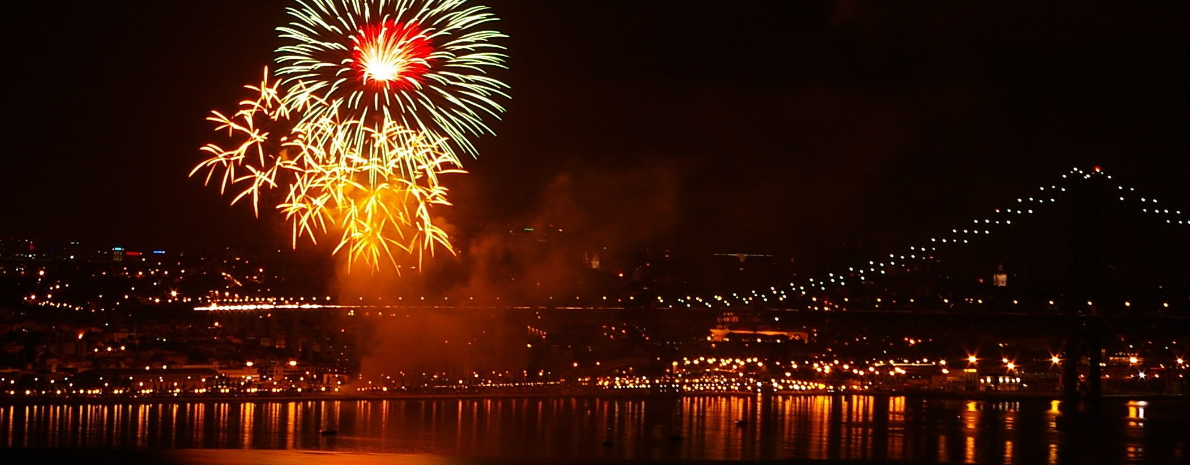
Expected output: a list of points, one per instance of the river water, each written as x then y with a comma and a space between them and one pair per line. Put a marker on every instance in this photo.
592, 429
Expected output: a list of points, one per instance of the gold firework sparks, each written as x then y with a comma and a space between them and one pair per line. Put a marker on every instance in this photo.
374, 185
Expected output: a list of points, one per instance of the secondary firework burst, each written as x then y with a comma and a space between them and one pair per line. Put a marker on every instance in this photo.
371, 104
376, 186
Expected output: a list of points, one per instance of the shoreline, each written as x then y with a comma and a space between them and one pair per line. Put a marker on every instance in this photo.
942, 395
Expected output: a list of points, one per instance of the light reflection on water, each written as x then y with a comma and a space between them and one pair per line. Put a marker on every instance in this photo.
649, 428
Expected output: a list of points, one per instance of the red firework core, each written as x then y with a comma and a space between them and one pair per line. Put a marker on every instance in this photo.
391, 55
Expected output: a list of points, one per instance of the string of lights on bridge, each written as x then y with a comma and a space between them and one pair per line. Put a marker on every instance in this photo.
962, 235
1035, 202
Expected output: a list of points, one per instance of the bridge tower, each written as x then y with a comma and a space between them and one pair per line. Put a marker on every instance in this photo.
1083, 352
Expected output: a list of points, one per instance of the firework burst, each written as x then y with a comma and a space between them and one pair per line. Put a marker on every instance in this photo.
375, 185
371, 103
423, 63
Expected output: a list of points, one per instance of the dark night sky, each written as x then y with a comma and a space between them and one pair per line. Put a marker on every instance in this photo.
761, 126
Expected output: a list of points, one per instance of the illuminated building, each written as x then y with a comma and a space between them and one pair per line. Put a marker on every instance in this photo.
1000, 279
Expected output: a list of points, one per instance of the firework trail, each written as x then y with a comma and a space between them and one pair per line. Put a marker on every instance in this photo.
361, 121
